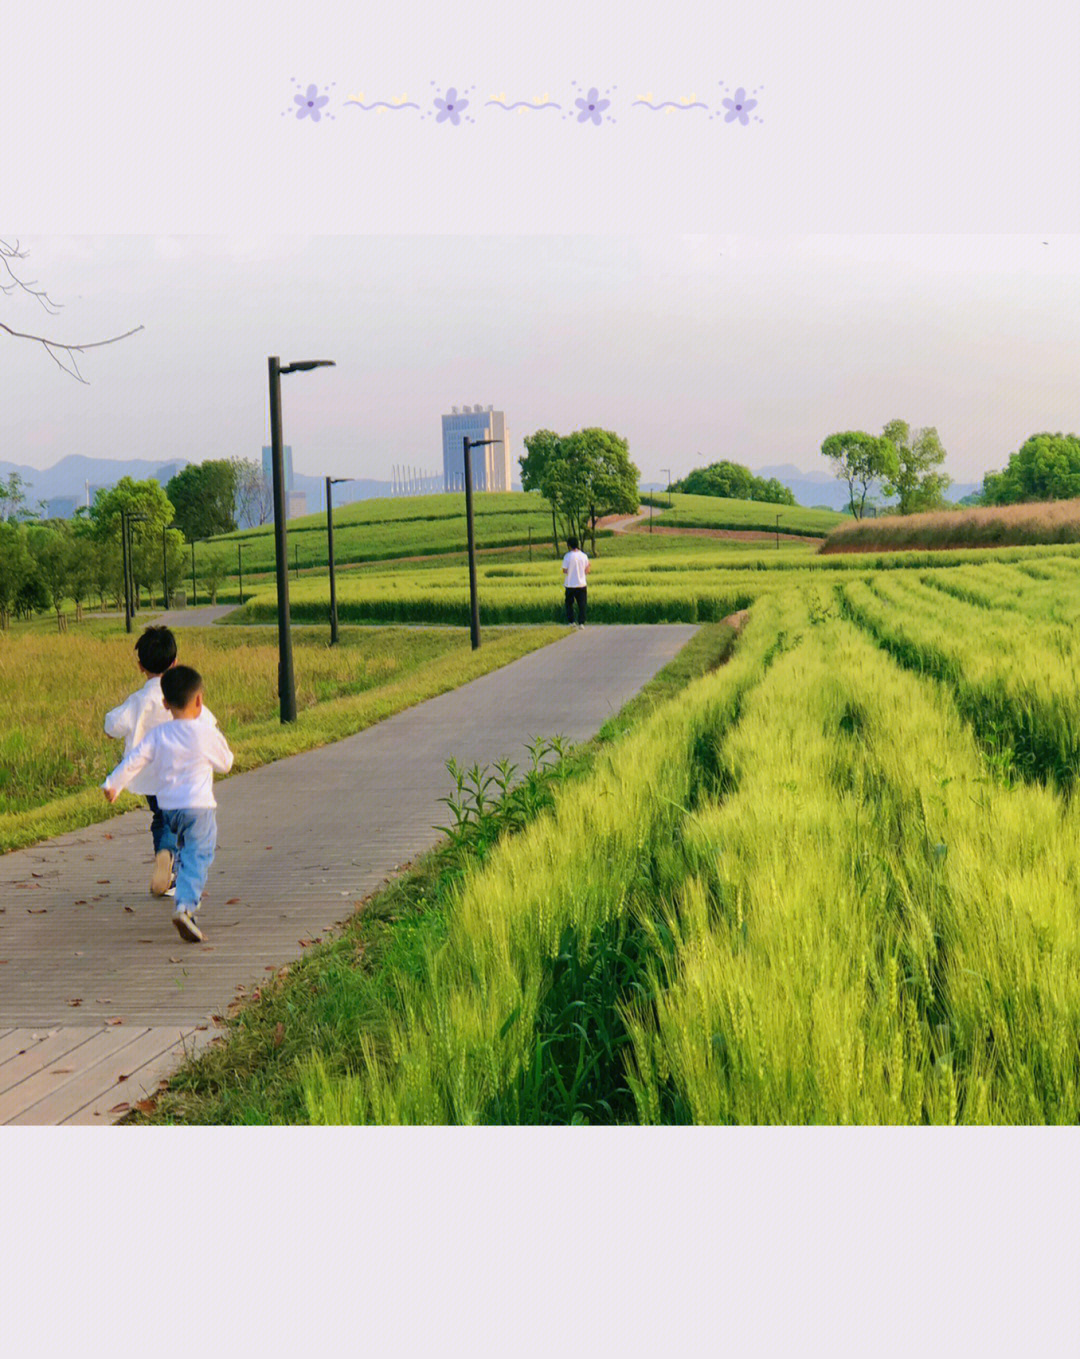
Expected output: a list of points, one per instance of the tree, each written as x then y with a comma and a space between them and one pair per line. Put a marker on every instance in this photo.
56, 350
539, 448
1046, 467
12, 498
204, 496
733, 481
15, 566
52, 550
918, 452
254, 499
860, 461
136, 497
213, 570
586, 475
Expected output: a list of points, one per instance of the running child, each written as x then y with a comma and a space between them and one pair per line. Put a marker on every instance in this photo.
180, 758
140, 712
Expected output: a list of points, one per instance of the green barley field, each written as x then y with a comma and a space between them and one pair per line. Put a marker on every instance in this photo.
834, 877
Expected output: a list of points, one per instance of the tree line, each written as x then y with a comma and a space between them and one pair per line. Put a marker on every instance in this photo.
44, 563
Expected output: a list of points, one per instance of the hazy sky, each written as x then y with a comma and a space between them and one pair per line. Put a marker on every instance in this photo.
691, 347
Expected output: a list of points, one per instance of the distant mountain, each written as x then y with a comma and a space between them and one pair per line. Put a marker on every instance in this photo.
63, 486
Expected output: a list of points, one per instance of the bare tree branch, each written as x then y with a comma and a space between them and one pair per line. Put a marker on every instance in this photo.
10, 252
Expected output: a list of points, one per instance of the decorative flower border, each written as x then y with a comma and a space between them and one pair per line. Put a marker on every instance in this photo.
582, 106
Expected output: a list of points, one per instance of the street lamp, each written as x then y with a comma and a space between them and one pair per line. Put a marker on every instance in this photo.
126, 520
778, 533
164, 569
668, 471
474, 603
332, 481
240, 567
194, 594
286, 680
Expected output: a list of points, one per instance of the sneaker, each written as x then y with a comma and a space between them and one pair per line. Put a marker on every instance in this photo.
186, 927
163, 872
170, 891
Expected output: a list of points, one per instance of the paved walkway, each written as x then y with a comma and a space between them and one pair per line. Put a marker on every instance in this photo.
98, 994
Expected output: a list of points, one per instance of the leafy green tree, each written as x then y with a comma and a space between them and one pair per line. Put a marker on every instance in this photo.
213, 568
861, 461
1046, 467
137, 497
918, 453
733, 481
53, 552
586, 475
539, 448
15, 567
204, 496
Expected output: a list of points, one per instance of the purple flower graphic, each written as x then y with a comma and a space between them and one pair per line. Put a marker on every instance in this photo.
739, 107
592, 106
310, 103
451, 107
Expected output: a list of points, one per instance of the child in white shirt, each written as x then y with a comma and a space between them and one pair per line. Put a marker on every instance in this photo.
181, 757
140, 712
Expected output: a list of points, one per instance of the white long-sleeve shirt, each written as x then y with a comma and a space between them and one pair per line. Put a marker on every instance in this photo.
180, 757
139, 714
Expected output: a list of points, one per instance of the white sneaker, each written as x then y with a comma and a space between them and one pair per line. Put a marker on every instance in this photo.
170, 891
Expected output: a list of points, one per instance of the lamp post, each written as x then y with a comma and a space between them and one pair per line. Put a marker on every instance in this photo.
332, 481
240, 567
778, 533
668, 471
126, 520
474, 603
194, 593
286, 680
164, 569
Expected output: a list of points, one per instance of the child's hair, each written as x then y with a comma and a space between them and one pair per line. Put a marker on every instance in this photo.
180, 685
571, 543
156, 650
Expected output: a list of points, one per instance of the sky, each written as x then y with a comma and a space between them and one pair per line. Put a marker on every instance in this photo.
692, 347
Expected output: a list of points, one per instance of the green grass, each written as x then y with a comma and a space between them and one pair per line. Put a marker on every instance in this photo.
55, 691
717, 512
324, 1006
385, 528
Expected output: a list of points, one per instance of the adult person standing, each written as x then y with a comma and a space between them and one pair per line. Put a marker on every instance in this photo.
576, 568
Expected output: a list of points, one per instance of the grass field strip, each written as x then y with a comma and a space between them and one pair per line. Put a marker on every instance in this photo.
1013, 678
880, 931
467, 1043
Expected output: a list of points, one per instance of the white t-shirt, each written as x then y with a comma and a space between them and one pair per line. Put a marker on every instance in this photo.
574, 564
180, 757
138, 715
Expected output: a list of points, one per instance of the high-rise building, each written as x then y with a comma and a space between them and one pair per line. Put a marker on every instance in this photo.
491, 465
295, 504
268, 466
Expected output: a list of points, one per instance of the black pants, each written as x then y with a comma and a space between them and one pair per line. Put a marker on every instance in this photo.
577, 592
157, 823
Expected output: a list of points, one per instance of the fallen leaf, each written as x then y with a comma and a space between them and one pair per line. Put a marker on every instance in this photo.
271, 968
119, 1108
107, 836
38, 910
62, 1071
279, 1035
233, 901
120, 1078
115, 1020
102, 882
145, 1106
37, 875
80, 903
107, 1001
76, 1001
130, 910
304, 943
78, 953
174, 960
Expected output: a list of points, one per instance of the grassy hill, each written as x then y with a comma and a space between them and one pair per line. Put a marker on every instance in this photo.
716, 512
402, 526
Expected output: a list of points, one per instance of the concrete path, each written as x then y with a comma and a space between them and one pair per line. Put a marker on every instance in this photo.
98, 994
193, 618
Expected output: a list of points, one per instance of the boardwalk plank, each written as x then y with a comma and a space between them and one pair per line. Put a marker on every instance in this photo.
41, 1054
60, 1074
159, 1052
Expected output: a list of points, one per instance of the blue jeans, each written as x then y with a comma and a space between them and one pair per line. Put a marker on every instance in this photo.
190, 835
157, 825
